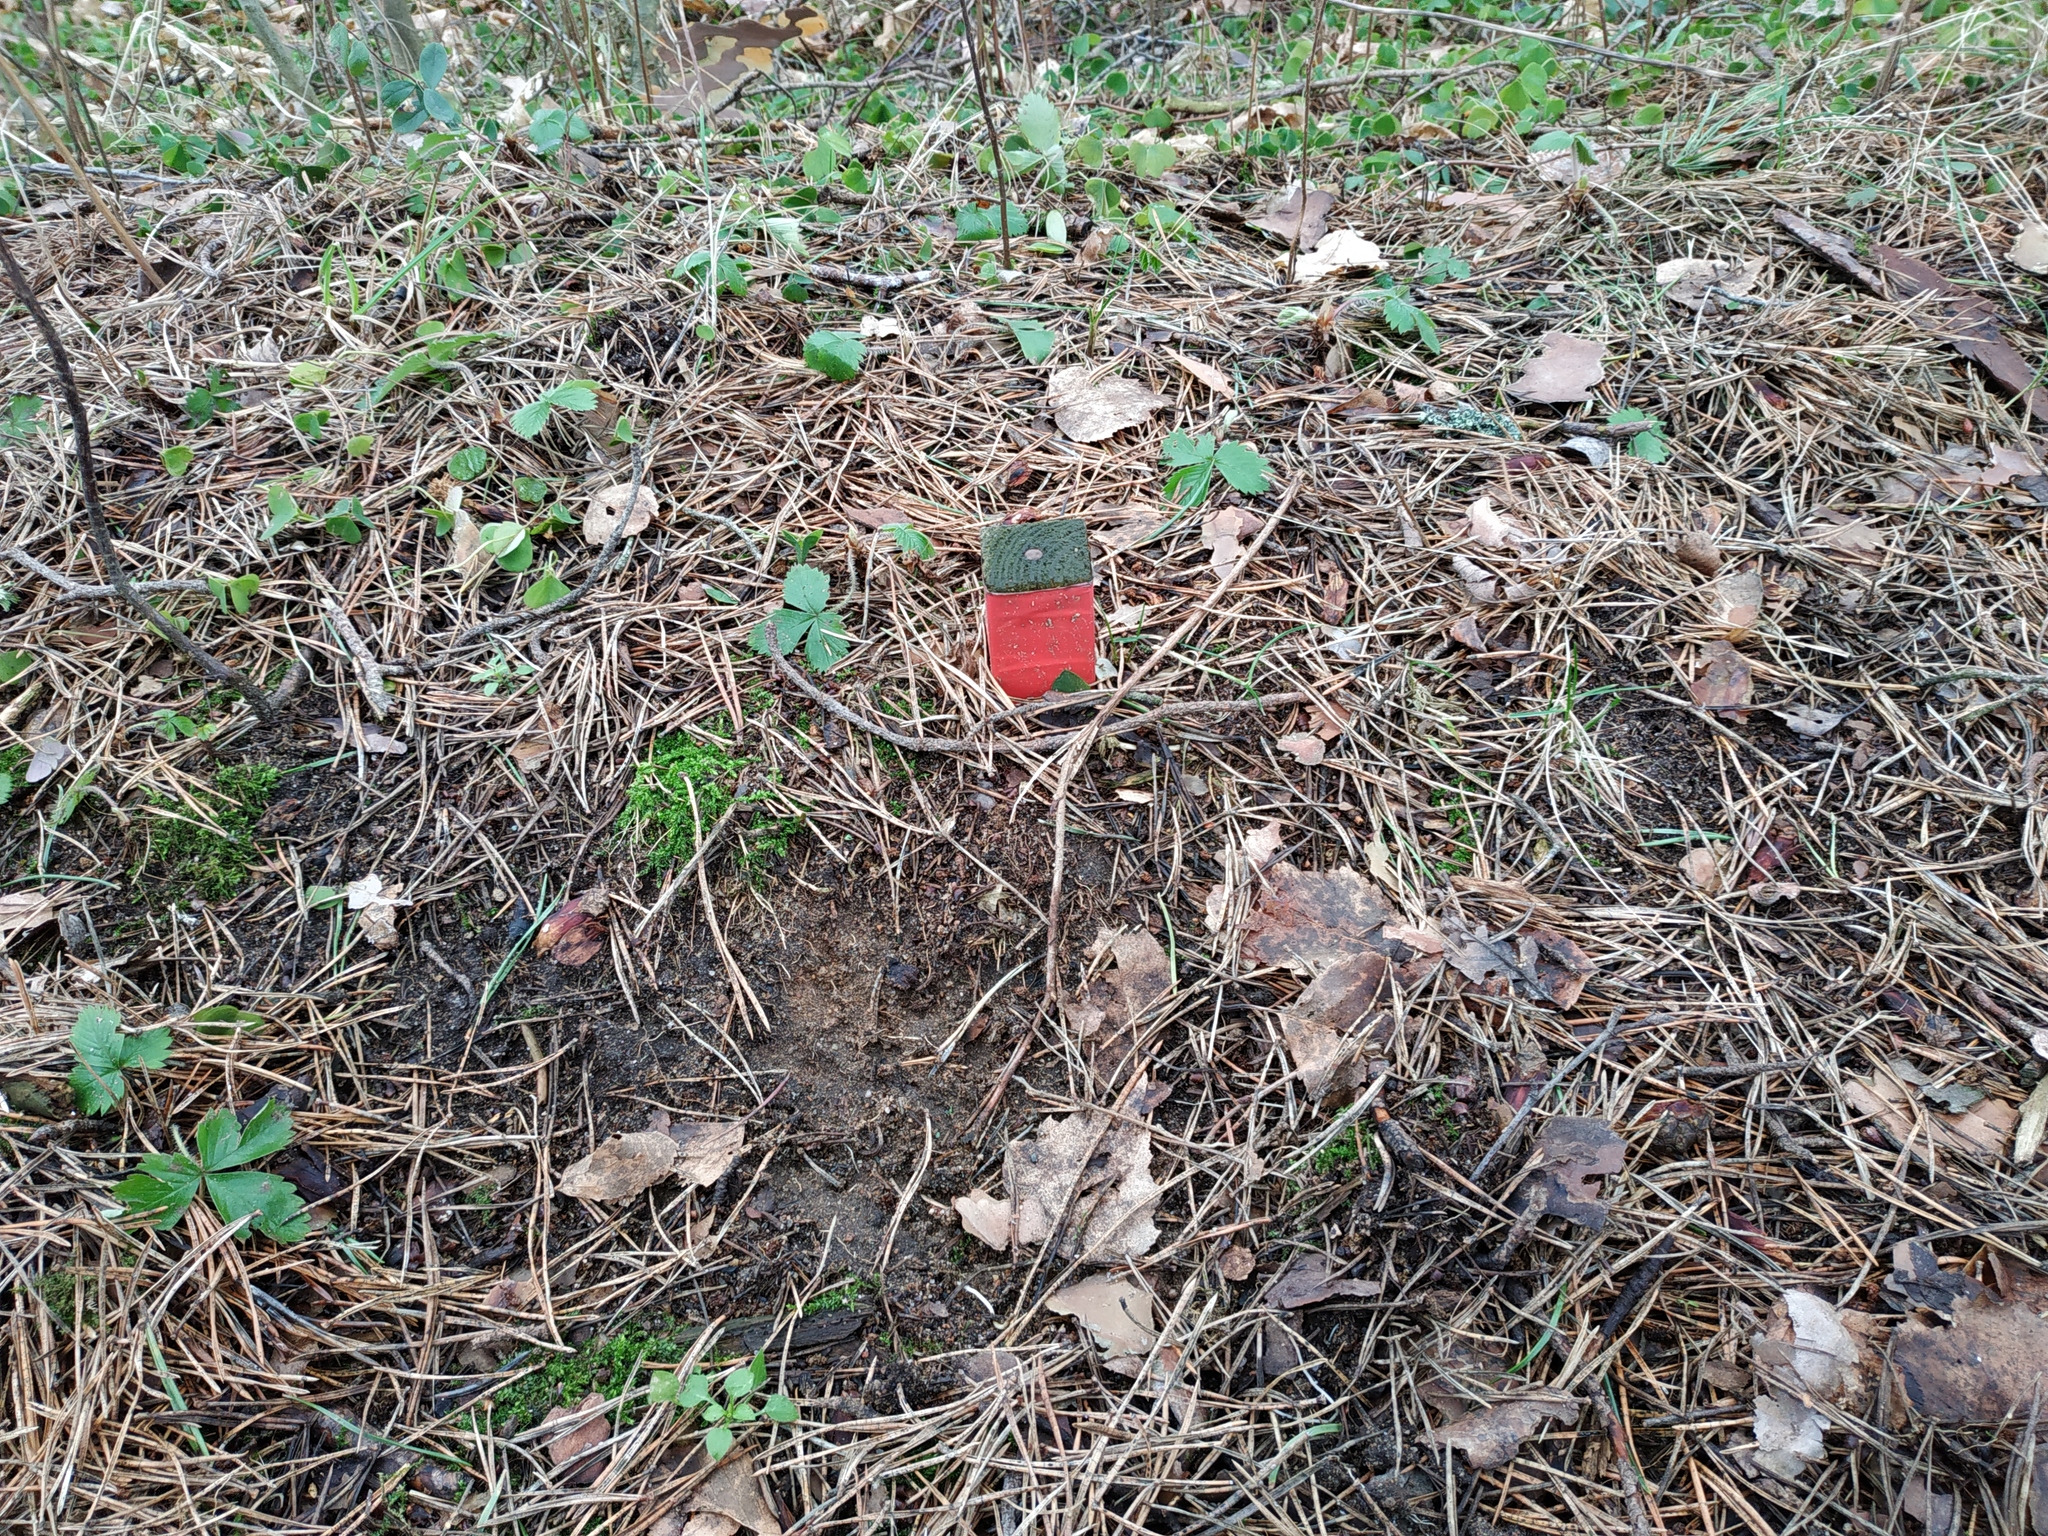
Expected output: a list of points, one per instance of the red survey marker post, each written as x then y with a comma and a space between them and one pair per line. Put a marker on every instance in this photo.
1041, 605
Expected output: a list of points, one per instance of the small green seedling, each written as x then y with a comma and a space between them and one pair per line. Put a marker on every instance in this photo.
18, 425
501, 671
469, 463
412, 102
835, 354
530, 420
1648, 442
909, 541
100, 1080
551, 125
742, 1384
509, 544
1195, 462
235, 592
209, 399
13, 664
167, 1182
176, 460
804, 620
1035, 341
549, 589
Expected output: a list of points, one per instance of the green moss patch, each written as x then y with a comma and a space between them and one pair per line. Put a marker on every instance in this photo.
212, 860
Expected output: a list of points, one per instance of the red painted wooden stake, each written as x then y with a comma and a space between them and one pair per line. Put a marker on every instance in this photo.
1033, 637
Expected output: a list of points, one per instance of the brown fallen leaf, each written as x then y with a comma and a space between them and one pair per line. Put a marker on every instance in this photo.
515, 1293
1983, 1130
1103, 1169
1918, 1280
1574, 1156
1283, 216
1850, 537
1237, 1263
621, 1167
2029, 249
1466, 631
1116, 1311
1536, 963
1089, 409
1702, 871
1736, 602
1810, 1355
574, 934
376, 910
1986, 1367
602, 515
1565, 370
734, 1491
1305, 747
1310, 920
1335, 1022
1726, 682
1691, 280
1491, 1437
23, 911
1936, 1512
574, 1451
708, 59
986, 1216
1213, 378
2032, 1125
1697, 550
472, 562
1313, 1278
1223, 531
1336, 596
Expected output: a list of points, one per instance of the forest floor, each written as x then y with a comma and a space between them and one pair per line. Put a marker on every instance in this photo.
1514, 997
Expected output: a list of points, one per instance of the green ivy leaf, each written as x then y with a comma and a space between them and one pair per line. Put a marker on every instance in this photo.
835, 354
1244, 467
549, 589
1034, 340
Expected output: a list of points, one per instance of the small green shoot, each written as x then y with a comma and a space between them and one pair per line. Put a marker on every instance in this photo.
167, 1182
549, 589
469, 463
742, 1385
804, 619
1035, 341
509, 544
18, 425
909, 541
105, 1054
13, 664
176, 460
531, 419
1195, 461
835, 354
1648, 442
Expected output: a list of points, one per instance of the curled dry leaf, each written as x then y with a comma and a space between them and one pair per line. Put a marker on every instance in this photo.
376, 909
621, 1167
1697, 550
1213, 378
1466, 631
1284, 216
1491, 1437
2032, 1127
1726, 681
472, 562
575, 933
1691, 280
1222, 534
1983, 1130
1575, 1155
515, 1293
1810, 1354
1305, 747
1089, 409
1494, 529
574, 1451
706, 1148
1565, 370
2029, 249
986, 1216
1807, 720
1702, 871
1342, 250
602, 514
1100, 1168
1310, 920
1314, 1277
1118, 1312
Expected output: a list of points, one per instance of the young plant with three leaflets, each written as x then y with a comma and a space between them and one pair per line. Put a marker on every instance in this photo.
742, 1384
1195, 462
100, 1081
167, 1183
804, 619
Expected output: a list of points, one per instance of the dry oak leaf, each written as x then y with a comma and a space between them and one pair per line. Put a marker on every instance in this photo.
1283, 216
1305, 747
1491, 1437
1341, 250
1312, 1278
621, 1167
574, 1451
1982, 1130
986, 1216
1726, 682
1100, 1169
1310, 920
1689, 280
1116, 1311
602, 515
1089, 409
2029, 250
1565, 370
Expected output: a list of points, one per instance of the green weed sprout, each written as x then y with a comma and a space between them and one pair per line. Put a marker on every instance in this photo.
168, 1182
742, 1384
100, 1080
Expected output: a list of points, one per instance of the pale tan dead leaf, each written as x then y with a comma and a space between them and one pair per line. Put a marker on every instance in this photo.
2029, 250
1104, 1169
1214, 378
22, 911
1284, 216
1565, 370
1222, 531
1495, 529
1737, 601
472, 562
703, 1523
1491, 1437
880, 327
602, 515
1466, 631
1341, 250
1330, 720
1727, 680
1810, 1353
2032, 1126
1983, 1130
1851, 538
1315, 1277
1564, 167
1691, 280
986, 1216
706, 1148
376, 909
732, 1490
1269, 114
1236, 1264
620, 1168
1118, 1312
1336, 597
1702, 871
1089, 409
1263, 843
1697, 550
1305, 747
574, 1451
1096, 246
